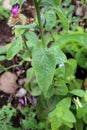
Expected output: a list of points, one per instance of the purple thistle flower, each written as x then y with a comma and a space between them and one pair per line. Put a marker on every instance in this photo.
15, 10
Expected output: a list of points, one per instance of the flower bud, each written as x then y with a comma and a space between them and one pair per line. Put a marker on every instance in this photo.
15, 10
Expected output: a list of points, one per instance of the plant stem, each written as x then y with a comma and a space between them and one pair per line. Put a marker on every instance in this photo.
39, 21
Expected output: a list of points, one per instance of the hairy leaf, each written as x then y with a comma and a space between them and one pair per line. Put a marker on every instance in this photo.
44, 63
14, 48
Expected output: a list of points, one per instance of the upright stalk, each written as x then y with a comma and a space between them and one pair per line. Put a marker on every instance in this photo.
39, 20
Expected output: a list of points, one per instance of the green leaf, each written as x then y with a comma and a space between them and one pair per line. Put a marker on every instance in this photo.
85, 118
54, 5
82, 111
35, 91
68, 124
2, 57
32, 40
64, 127
75, 83
30, 74
79, 125
67, 2
70, 67
44, 64
77, 92
55, 122
66, 71
47, 105
62, 17
12, 2
60, 56
30, 26
50, 19
85, 97
2, 49
26, 56
58, 2
47, 38
68, 116
32, 37
65, 103
71, 37
20, 29
61, 115
60, 72
61, 88
14, 48
47, 3
30, 77
81, 57
73, 63
2, 68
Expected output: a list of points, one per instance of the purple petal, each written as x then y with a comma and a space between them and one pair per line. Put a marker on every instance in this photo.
15, 10
21, 101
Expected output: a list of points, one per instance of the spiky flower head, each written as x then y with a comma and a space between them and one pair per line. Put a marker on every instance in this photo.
15, 9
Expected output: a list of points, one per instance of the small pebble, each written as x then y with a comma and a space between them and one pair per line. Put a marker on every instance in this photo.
21, 92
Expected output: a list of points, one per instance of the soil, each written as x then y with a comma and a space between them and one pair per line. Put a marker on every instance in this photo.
5, 33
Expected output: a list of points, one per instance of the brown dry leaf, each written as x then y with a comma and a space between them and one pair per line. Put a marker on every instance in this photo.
79, 11
8, 83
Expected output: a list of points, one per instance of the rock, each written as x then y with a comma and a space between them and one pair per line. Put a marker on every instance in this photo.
21, 92
22, 81
8, 83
